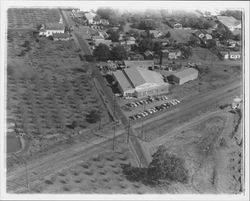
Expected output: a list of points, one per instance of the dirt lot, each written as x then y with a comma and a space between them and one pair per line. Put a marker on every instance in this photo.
211, 155
30, 18
49, 91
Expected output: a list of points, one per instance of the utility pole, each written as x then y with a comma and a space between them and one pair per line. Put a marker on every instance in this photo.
115, 123
25, 161
128, 131
142, 130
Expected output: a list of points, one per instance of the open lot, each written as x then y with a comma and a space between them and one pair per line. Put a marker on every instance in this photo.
211, 155
30, 18
49, 91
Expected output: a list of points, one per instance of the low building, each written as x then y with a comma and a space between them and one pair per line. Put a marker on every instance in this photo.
90, 16
231, 55
184, 76
148, 55
51, 28
138, 82
177, 26
146, 64
130, 40
174, 54
156, 33
230, 22
61, 36
96, 42
134, 56
234, 55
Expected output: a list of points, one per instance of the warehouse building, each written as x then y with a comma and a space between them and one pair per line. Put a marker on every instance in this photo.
184, 76
138, 82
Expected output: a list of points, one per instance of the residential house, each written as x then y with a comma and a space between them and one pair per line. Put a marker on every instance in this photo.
231, 55
96, 42
130, 40
174, 54
234, 55
177, 26
90, 16
230, 22
50, 28
156, 33
148, 55
134, 56
61, 36
104, 22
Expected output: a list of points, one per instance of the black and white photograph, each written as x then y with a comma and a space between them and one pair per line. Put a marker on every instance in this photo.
124, 100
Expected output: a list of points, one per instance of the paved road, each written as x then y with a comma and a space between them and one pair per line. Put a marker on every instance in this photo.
16, 180
196, 103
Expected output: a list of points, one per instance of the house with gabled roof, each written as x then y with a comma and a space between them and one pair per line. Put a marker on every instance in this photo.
49, 29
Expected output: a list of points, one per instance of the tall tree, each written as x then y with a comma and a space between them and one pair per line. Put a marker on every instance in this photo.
102, 52
119, 53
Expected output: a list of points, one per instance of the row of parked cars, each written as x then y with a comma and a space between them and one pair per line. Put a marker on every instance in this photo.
155, 109
146, 101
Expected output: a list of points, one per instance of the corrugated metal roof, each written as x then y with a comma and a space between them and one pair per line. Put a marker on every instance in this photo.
134, 76
151, 76
186, 72
123, 81
142, 63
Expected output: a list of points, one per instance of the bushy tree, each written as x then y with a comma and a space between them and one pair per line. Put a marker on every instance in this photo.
168, 35
119, 53
164, 167
113, 35
102, 52
93, 116
146, 44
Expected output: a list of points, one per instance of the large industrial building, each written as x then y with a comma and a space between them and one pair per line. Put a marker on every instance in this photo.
138, 82
184, 76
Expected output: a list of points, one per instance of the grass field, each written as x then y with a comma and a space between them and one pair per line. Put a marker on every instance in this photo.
30, 18
49, 91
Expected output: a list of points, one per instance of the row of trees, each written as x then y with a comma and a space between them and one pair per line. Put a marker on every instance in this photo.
103, 53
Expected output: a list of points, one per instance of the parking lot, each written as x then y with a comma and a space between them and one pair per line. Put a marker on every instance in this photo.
155, 109
138, 109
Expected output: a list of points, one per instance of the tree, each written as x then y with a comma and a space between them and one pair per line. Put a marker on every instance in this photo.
146, 44
102, 52
119, 53
167, 166
163, 168
113, 35
157, 47
168, 35
93, 116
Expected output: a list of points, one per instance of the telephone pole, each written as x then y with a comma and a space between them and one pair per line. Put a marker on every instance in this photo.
115, 122
128, 131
